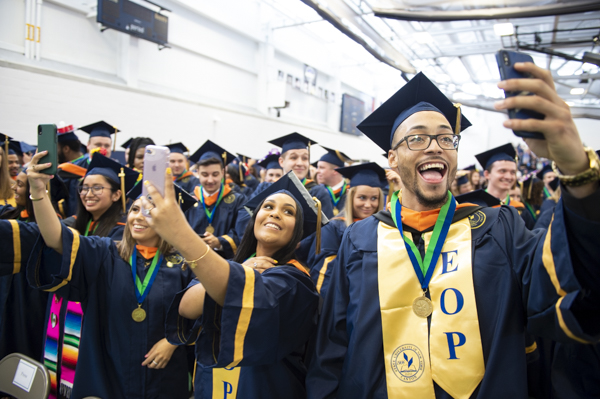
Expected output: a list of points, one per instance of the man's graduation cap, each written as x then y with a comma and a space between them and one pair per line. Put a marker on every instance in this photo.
293, 141
420, 94
120, 174
543, 171
335, 157
313, 217
271, 162
65, 132
366, 174
505, 152
184, 199
4, 140
100, 129
462, 179
470, 167
178, 148
127, 143
20, 147
212, 150
479, 197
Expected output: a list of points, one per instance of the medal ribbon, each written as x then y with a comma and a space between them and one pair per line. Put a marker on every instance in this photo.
211, 214
87, 228
333, 196
142, 289
546, 192
531, 210
440, 231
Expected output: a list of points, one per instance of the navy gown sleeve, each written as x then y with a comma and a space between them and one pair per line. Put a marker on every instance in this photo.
178, 329
264, 318
322, 195
71, 273
322, 264
16, 241
230, 240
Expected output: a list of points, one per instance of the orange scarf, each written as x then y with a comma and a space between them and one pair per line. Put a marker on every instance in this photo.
185, 174
211, 199
146, 252
423, 220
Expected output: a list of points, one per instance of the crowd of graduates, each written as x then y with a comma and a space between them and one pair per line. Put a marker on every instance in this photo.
277, 278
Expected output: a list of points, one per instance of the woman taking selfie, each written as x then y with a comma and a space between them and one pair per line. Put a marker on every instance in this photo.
124, 289
6, 191
258, 310
364, 198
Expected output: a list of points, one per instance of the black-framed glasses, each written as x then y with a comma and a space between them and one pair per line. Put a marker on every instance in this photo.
420, 142
96, 190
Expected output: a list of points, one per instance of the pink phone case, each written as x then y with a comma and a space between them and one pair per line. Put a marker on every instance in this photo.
156, 160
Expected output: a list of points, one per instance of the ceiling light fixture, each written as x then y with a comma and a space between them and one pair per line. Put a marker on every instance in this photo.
504, 29
576, 91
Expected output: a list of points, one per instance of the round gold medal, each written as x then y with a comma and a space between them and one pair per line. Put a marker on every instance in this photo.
422, 306
210, 229
138, 314
335, 211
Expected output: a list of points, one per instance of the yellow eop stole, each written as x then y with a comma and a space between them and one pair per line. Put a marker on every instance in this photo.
225, 382
450, 353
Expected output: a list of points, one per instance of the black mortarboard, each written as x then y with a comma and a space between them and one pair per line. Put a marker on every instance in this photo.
545, 169
335, 157
462, 179
554, 183
65, 132
185, 200
100, 129
271, 162
292, 186
470, 167
120, 174
127, 144
366, 174
178, 148
478, 197
19, 147
293, 141
419, 94
4, 139
212, 150
505, 152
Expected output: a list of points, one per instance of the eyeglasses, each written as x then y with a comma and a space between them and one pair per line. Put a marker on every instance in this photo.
420, 142
96, 190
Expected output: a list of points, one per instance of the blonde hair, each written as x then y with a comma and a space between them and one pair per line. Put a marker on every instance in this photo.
6, 191
127, 244
349, 205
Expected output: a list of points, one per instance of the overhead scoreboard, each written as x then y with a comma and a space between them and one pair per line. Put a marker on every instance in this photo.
134, 19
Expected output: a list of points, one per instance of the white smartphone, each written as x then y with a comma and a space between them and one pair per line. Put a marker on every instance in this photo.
156, 160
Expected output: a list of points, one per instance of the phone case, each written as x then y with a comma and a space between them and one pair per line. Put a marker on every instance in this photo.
156, 160
47, 141
506, 60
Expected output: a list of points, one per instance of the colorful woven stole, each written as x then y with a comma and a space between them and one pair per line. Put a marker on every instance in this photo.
450, 351
336, 195
51, 345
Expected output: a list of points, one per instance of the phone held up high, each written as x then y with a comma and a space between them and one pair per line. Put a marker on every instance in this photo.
156, 160
47, 141
506, 61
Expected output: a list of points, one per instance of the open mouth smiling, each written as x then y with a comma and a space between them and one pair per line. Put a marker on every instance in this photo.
433, 172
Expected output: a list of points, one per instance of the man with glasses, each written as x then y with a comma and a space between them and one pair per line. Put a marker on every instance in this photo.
433, 299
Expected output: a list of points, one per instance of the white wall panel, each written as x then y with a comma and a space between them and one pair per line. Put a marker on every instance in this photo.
12, 25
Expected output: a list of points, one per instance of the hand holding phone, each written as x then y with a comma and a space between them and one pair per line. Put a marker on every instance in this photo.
156, 160
506, 61
47, 141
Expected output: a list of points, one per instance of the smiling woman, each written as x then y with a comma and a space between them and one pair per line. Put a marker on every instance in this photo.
256, 312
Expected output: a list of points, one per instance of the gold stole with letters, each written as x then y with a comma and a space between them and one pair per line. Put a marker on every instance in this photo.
450, 353
225, 382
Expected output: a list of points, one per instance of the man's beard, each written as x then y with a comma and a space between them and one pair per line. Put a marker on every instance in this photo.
410, 182
61, 157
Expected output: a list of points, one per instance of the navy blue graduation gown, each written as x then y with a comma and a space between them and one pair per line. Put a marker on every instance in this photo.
513, 290
331, 238
22, 309
223, 221
188, 183
113, 346
320, 191
545, 215
72, 181
284, 315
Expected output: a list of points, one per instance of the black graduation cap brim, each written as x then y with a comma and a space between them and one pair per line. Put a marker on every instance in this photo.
292, 141
292, 184
505, 152
478, 197
335, 157
99, 129
460, 180
126, 144
4, 137
15, 146
366, 174
545, 169
470, 167
270, 162
178, 148
101, 164
211, 147
185, 199
378, 126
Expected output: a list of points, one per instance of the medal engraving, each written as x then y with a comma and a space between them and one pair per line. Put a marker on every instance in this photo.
138, 314
422, 306
210, 229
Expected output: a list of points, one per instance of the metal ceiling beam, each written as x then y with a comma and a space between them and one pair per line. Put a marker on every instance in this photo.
576, 112
347, 21
488, 13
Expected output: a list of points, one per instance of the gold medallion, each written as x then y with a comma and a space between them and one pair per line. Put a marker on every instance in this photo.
422, 306
229, 199
138, 314
335, 211
210, 229
169, 264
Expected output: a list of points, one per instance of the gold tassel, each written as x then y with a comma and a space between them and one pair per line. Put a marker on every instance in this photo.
123, 199
390, 192
309, 156
457, 129
115, 139
318, 236
530, 187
